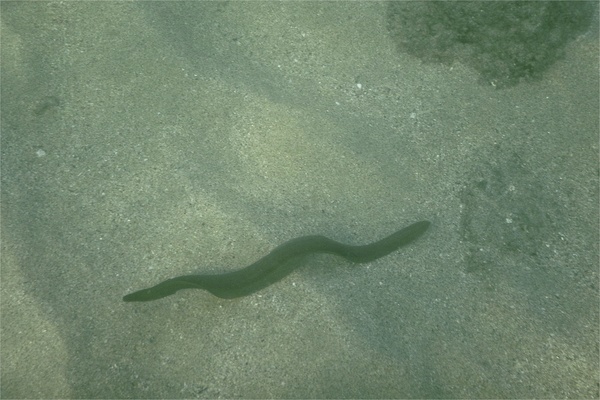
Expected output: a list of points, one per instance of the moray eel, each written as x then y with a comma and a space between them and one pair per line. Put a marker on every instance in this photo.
275, 265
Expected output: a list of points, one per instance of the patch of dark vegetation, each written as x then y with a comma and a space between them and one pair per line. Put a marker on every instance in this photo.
505, 41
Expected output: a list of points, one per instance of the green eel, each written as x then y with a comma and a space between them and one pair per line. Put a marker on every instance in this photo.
275, 266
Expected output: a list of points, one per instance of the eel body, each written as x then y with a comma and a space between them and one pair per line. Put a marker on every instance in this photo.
276, 265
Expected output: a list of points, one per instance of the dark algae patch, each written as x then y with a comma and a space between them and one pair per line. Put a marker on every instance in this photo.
505, 41
275, 265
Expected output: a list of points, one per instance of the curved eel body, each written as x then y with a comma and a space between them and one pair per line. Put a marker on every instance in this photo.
275, 266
